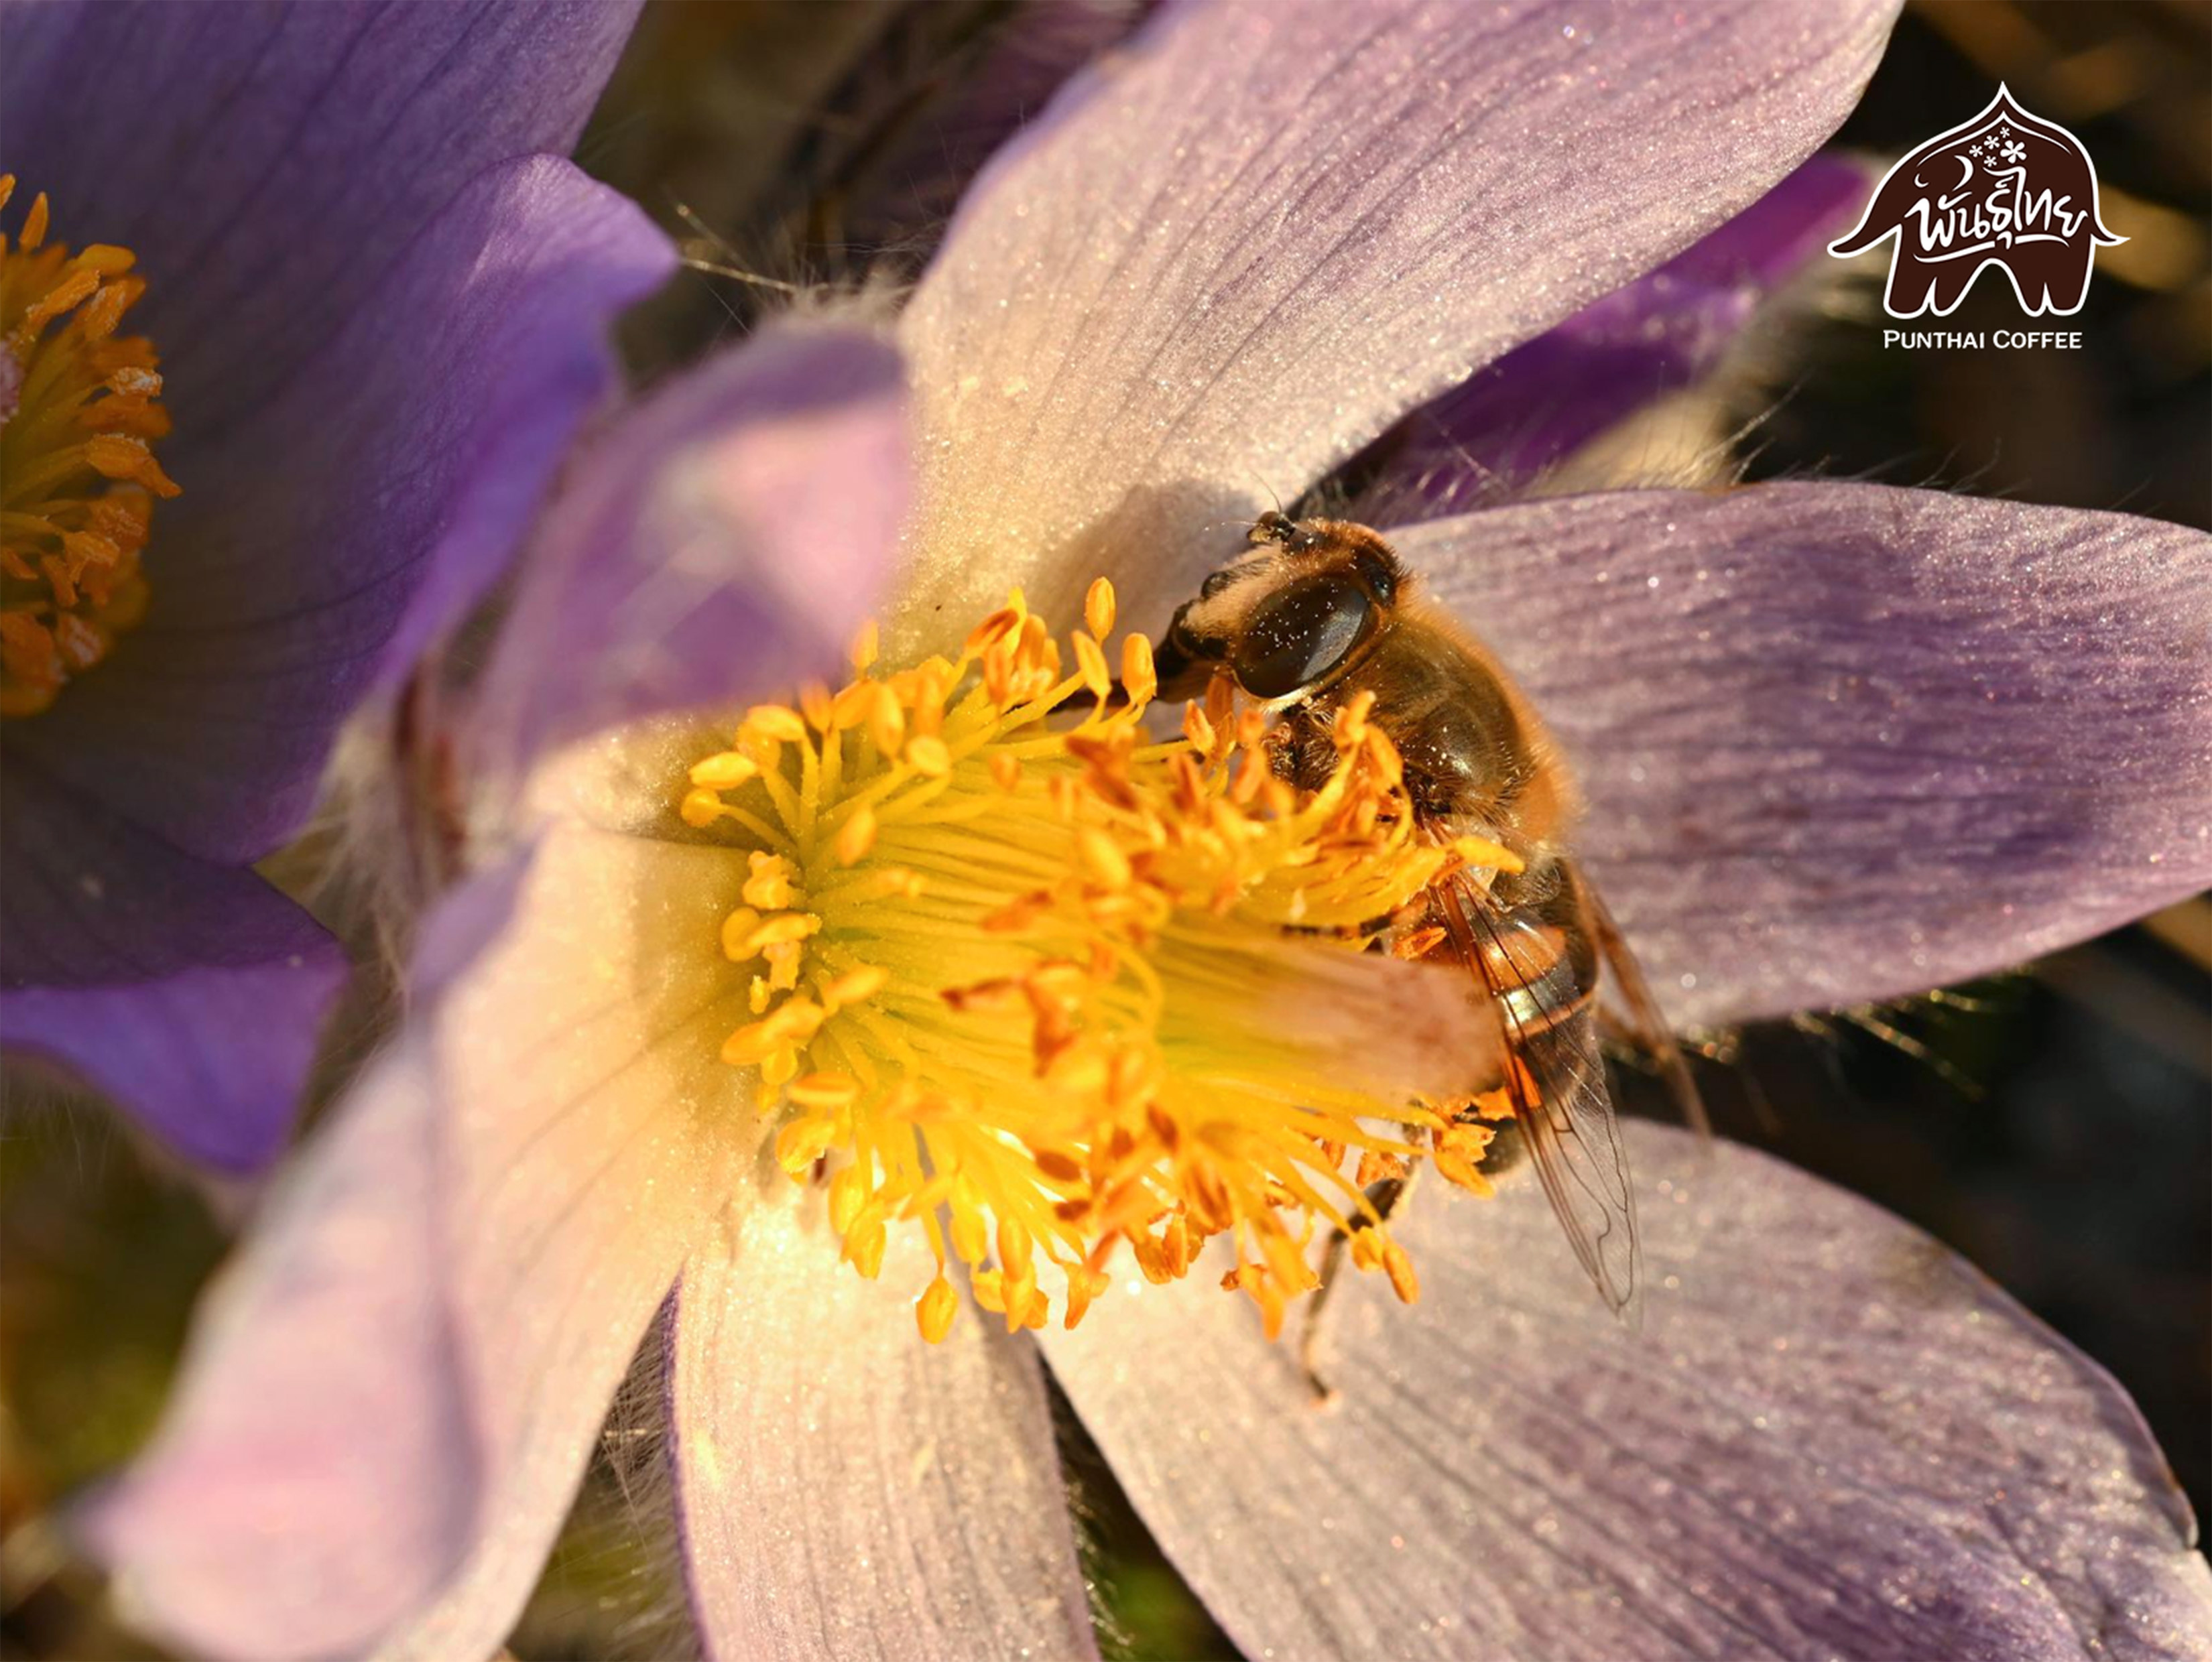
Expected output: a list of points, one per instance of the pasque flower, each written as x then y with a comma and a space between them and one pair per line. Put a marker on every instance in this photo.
302, 306
1839, 742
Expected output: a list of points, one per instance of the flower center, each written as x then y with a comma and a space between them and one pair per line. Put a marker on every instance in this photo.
1038, 985
78, 405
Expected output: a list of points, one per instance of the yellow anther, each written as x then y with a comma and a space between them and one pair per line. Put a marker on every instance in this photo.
1376, 1166
803, 1142
848, 1193
857, 986
1139, 678
1384, 756
969, 1234
726, 770
935, 1310
738, 944
816, 705
864, 1243
886, 722
769, 885
774, 722
1014, 1250
1488, 856
1084, 1284
998, 626
1351, 729
1090, 665
823, 1090
1102, 859
1099, 608
1458, 1154
775, 1072
866, 643
855, 705
699, 809
1400, 1268
856, 836
784, 929
785, 961
928, 754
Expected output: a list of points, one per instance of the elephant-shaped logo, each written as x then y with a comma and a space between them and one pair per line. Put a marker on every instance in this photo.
2004, 189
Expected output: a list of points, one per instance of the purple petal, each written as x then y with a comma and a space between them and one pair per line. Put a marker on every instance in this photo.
381, 488
1843, 743
845, 1489
1662, 332
269, 164
193, 994
957, 107
724, 538
1234, 253
1833, 1439
391, 1398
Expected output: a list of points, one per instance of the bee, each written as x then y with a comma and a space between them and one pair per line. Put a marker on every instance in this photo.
1315, 613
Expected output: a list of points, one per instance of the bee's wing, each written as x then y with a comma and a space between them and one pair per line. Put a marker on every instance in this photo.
1558, 1089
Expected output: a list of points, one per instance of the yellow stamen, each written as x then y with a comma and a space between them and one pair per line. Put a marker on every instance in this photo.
79, 408
1016, 970
934, 1311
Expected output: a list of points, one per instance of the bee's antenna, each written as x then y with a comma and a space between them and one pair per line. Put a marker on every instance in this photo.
704, 238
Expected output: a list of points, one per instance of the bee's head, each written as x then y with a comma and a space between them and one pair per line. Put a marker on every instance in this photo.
1288, 615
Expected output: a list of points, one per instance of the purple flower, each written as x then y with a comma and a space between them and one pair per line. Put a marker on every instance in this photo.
377, 297
1839, 742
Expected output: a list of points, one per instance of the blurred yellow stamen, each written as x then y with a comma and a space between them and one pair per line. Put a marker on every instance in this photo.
79, 406
1012, 963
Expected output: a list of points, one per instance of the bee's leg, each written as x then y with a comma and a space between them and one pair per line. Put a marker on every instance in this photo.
1385, 1197
1641, 1028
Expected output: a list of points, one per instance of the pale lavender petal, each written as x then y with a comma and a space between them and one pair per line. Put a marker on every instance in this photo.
724, 538
1233, 252
1664, 331
320, 1473
847, 1489
191, 993
392, 1397
382, 487
1843, 743
269, 164
1833, 1439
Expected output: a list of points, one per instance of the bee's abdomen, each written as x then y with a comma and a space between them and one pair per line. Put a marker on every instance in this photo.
1539, 957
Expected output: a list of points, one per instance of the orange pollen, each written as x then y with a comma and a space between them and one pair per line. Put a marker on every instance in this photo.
80, 407
1026, 978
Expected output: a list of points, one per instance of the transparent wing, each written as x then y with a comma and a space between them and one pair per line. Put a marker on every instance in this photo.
1556, 1080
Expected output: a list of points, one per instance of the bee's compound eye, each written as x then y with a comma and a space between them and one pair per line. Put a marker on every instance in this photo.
1301, 634
1382, 574
1215, 582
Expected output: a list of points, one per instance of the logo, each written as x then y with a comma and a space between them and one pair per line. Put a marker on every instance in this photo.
2005, 189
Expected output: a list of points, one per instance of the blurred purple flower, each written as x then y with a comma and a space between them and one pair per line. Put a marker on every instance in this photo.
1840, 743
380, 297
